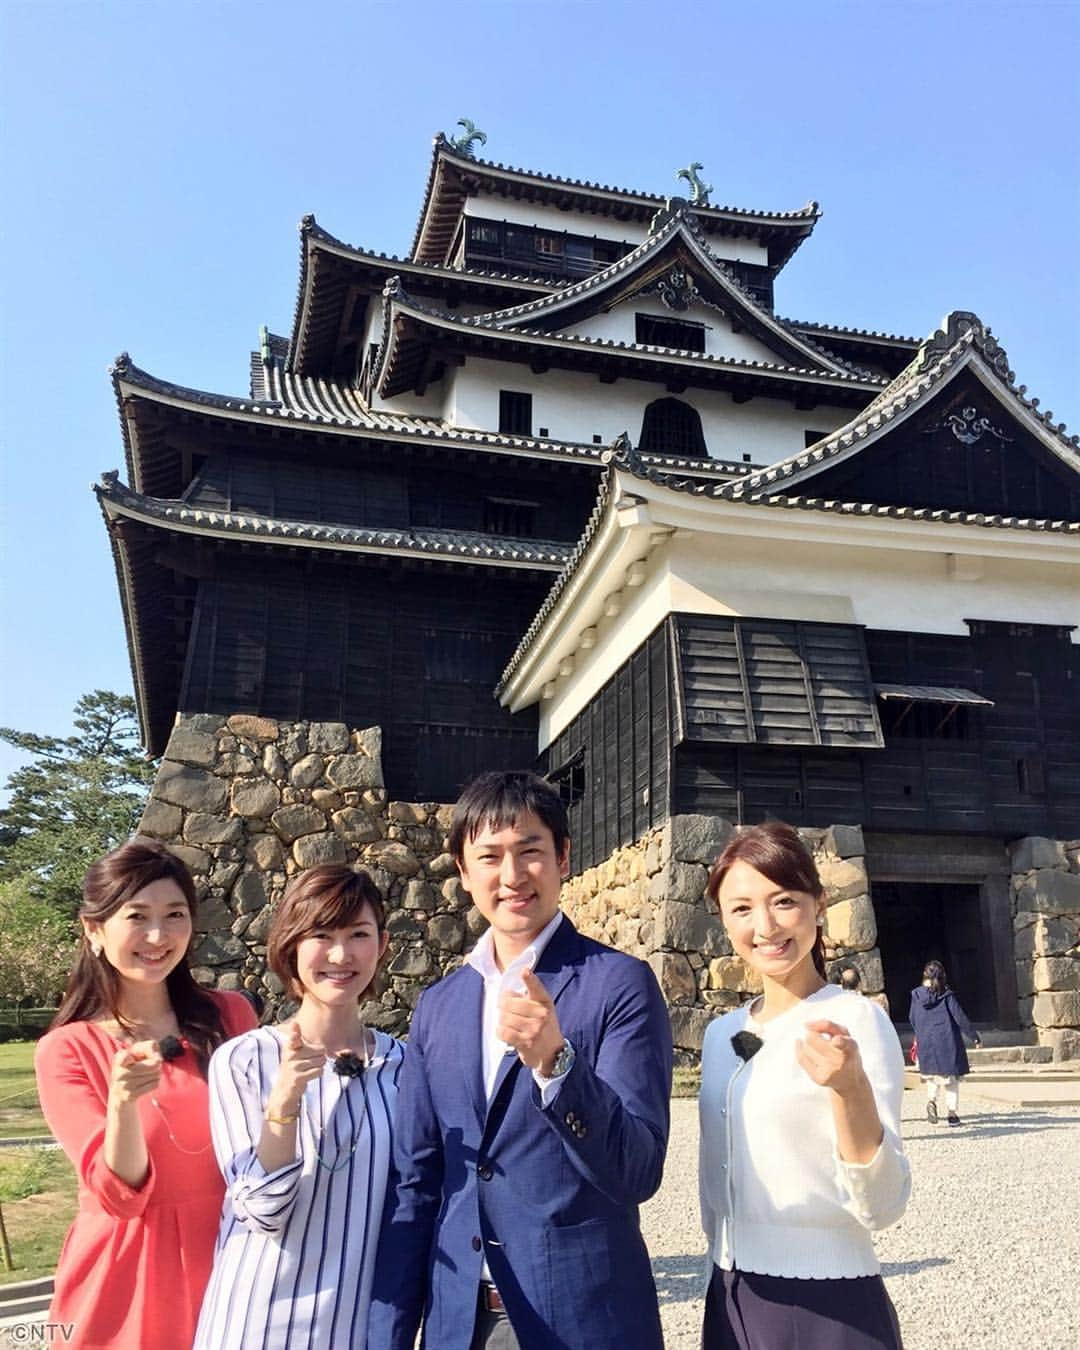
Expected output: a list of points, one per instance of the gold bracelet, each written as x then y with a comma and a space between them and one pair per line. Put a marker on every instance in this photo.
280, 1120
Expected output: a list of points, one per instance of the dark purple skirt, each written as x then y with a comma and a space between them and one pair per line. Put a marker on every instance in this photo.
745, 1311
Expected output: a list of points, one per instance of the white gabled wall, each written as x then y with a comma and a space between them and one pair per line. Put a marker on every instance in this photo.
619, 325
577, 407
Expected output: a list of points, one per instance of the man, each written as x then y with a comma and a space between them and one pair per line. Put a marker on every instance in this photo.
532, 1117
850, 979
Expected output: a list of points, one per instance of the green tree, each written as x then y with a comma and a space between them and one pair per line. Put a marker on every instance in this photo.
37, 947
79, 796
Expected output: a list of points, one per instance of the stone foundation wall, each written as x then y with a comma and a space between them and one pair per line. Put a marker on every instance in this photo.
248, 802
648, 899
1046, 925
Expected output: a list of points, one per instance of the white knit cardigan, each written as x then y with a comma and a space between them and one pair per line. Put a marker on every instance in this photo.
776, 1198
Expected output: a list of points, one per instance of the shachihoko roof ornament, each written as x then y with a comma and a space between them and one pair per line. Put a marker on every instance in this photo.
699, 191
466, 142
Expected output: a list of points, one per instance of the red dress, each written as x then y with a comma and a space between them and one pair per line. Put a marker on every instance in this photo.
135, 1262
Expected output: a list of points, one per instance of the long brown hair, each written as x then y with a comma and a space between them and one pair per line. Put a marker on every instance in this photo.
329, 896
94, 984
776, 851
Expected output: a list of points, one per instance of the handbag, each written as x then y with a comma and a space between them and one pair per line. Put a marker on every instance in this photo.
913, 1052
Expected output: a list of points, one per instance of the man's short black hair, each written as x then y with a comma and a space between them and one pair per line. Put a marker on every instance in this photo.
849, 977
501, 797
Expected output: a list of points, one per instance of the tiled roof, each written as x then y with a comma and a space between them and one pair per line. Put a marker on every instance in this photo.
306, 401
962, 335
870, 334
402, 306
681, 227
454, 545
796, 223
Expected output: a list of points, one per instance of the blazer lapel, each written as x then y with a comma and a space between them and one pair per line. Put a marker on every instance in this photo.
470, 1039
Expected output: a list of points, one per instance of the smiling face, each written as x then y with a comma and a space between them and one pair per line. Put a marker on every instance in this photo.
147, 937
514, 875
335, 966
772, 928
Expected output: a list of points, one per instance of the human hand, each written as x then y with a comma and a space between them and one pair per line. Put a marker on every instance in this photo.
529, 1024
829, 1055
300, 1065
136, 1070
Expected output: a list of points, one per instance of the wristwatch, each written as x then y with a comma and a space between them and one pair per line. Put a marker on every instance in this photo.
563, 1061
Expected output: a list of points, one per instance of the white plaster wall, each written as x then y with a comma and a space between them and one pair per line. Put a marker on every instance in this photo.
618, 325
576, 407
490, 206
783, 578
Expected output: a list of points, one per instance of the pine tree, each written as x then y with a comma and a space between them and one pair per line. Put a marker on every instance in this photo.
80, 796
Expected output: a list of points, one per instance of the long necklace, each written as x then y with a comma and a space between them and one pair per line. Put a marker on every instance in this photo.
171, 1048
347, 1066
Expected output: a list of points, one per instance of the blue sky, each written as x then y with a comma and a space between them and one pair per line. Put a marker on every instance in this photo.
157, 158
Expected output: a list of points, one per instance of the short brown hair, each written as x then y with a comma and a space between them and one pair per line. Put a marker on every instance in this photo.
331, 896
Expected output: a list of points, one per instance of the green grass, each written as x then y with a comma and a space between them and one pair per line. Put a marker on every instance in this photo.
686, 1081
39, 1196
20, 1114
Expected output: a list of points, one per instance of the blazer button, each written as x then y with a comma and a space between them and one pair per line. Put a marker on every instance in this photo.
571, 1119
484, 1172
476, 1244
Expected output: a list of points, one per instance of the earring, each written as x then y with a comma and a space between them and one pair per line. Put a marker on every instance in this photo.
95, 948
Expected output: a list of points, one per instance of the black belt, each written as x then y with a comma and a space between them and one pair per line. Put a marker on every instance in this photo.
490, 1298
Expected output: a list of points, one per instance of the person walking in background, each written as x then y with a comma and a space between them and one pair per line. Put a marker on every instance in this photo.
940, 1025
121, 1076
801, 1155
303, 1117
850, 979
534, 1114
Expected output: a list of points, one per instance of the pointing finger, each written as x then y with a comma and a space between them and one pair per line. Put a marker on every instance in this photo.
535, 987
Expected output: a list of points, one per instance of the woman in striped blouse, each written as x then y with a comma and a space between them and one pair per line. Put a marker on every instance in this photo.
302, 1120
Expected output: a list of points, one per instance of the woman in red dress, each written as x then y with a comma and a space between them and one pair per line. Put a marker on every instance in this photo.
122, 1080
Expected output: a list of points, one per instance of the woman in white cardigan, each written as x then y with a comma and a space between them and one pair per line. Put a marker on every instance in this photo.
801, 1155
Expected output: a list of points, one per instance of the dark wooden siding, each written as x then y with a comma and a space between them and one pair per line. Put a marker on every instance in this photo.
415, 651
623, 737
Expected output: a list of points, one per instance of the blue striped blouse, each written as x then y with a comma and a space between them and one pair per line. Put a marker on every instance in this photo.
295, 1253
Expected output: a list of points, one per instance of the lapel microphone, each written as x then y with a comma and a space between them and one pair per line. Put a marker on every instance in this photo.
171, 1047
746, 1044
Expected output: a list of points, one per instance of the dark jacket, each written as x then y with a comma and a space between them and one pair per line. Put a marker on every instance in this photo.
550, 1194
938, 1021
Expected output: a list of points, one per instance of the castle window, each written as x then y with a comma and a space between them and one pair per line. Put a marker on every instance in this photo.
569, 777
672, 427
928, 712
510, 516
679, 334
550, 244
515, 413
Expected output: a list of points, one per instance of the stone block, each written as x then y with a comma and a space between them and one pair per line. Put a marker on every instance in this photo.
475, 923
1056, 972
328, 738
688, 1027
213, 916
442, 866
1044, 935
1064, 1041
188, 746
731, 973
687, 928
194, 789
312, 850
447, 932
369, 742
454, 893
307, 771
355, 825
210, 723
253, 728
675, 976
1024, 1011
326, 799
218, 949
845, 841
259, 928
394, 857
695, 839
291, 822
843, 878
293, 742
1061, 1009
196, 860
418, 895
203, 828
160, 820
254, 797
403, 927
265, 852
1034, 851
851, 924
1025, 981
680, 881
408, 813
355, 771
1050, 892
223, 874
415, 962
273, 763
235, 764
249, 892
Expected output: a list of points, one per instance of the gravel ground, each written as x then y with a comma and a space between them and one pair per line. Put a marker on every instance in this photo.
986, 1257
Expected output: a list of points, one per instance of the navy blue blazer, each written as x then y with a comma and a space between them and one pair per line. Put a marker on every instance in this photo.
549, 1196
